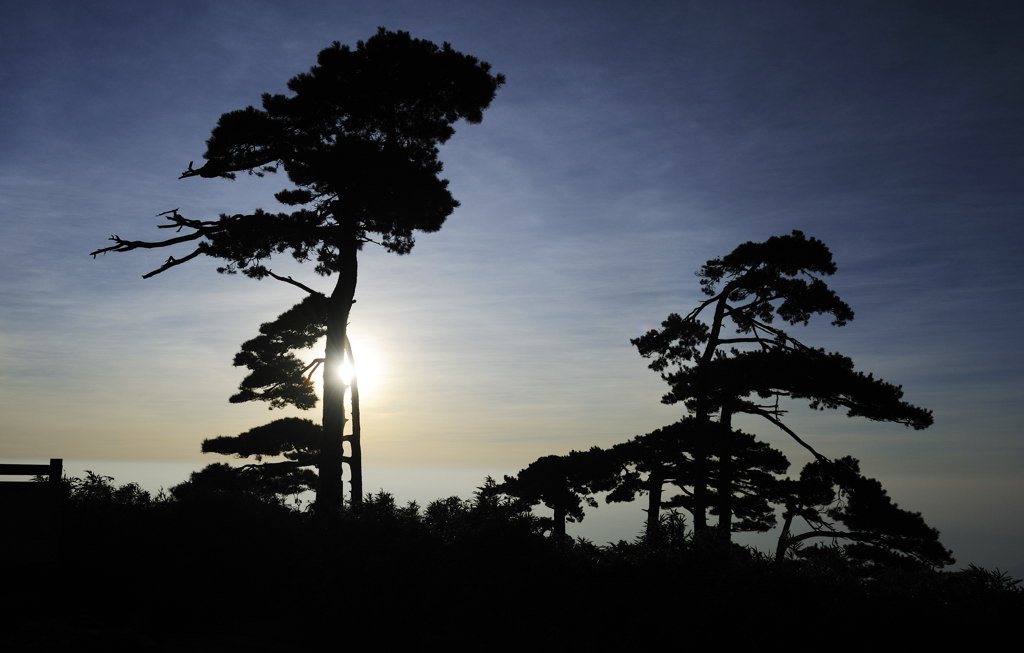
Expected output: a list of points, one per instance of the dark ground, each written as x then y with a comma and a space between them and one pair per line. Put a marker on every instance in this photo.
246, 576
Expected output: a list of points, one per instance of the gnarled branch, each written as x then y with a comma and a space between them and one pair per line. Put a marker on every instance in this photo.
753, 410
177, 221
171, 262
294, 283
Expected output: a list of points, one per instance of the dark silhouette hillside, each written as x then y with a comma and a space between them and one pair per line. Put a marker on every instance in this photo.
236, 572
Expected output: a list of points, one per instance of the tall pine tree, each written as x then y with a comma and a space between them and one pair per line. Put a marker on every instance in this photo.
358, 139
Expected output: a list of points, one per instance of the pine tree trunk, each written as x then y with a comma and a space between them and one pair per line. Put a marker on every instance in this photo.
355, 459
704, 410
558, 525
700, 480
330, 486
783, 545
725, 474
655, 484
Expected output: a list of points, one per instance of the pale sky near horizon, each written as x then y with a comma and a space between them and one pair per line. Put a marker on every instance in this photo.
629, 145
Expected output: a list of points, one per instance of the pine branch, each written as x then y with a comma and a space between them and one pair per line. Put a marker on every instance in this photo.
171, 262
294, 283
311, 368
294, 464
731, 341
754, 410
692, 315
178, 222
122, 245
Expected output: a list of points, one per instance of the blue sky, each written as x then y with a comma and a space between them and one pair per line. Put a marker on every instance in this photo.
629, 145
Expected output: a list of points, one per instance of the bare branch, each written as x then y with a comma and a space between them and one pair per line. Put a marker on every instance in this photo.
294, 283
177, 221
754, 410
123, 245
692, 315
311, 368
730, 341
171, 262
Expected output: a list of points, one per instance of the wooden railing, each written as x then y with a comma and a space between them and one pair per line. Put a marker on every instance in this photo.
54, 471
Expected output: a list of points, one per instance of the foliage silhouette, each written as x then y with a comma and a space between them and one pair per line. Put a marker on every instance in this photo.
292, 438
98, 492
878, 531
490, 515
277, 376
168, 574
563, 484
742, 362
220, 482
647, 463
358, 139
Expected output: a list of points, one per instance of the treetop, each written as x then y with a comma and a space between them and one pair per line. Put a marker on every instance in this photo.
358, 139
391, 90
785, 268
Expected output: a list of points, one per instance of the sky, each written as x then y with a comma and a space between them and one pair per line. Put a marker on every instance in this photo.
630, 143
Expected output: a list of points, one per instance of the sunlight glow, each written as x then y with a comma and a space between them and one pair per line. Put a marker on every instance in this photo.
346, 372
368, 368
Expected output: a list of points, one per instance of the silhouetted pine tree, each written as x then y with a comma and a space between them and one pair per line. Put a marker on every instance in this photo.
358, 139
563, 484
740, 361
665, 458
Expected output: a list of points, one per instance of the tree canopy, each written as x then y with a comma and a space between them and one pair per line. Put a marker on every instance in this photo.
277, 375
562, 483
839, 503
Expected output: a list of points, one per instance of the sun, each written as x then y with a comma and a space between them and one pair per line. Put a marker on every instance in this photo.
368, 366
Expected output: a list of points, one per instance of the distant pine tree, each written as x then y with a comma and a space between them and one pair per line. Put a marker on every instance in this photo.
741, 362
